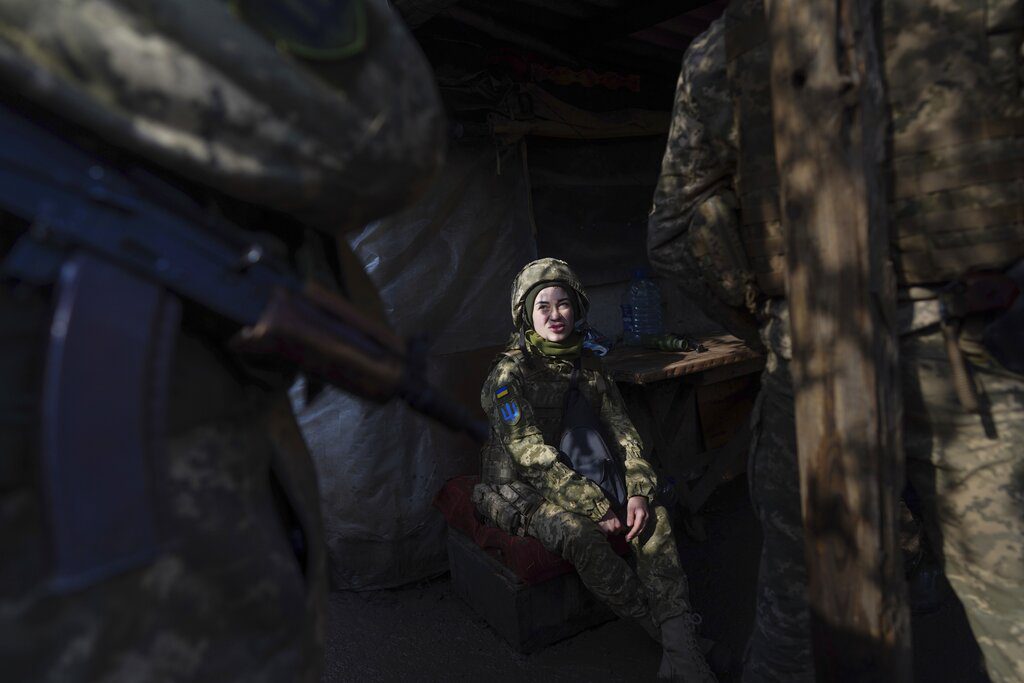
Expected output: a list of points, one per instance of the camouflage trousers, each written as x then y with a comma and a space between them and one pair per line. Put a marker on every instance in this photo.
656, 591
780, 645
968, 471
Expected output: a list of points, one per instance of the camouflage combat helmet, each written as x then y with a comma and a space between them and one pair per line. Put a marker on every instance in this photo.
546, 271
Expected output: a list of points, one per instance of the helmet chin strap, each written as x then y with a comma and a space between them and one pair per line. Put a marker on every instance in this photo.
522, 342
530, 360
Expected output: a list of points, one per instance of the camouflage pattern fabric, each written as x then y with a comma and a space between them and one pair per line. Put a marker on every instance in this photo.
520, 447
953, 84
238, 590
780, 644
969, 473
334, 142
523, 397
969, 476
953, 90
508, 506
540, 271
227, 598
525, 489
969, 209
655, 592
521, 437
693, 233
496, 465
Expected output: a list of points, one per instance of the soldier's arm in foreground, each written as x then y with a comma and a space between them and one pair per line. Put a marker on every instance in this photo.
513, 424
692, 231
640, 477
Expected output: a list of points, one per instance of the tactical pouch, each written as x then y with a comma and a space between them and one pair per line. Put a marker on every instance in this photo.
496, 466
582, 447
507, 506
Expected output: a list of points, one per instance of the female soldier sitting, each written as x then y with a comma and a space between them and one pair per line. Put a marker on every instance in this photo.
528, 486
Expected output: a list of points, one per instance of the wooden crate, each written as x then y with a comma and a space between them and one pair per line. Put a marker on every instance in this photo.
527, 617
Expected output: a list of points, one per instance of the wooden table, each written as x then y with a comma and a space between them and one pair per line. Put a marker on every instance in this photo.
692, 411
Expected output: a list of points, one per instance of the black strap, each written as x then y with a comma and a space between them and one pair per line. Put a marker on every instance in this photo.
523, 347
583, 446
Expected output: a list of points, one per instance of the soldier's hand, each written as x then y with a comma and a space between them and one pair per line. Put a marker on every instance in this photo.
636, 516
610, 524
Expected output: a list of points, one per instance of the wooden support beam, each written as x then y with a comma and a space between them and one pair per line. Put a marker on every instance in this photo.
830, 127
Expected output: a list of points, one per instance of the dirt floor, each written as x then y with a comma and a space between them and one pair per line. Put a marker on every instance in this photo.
425, 632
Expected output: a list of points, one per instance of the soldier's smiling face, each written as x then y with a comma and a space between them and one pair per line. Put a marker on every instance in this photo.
552, 314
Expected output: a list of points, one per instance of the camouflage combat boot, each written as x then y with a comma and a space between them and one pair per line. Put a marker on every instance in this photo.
682, 659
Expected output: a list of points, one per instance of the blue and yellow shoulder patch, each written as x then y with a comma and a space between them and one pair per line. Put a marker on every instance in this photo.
501, 392
509, 411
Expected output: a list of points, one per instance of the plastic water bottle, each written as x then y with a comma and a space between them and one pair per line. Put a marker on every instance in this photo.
641, 309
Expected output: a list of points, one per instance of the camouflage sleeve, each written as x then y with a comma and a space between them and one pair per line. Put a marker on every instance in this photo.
640, 477
692, 232
514, 426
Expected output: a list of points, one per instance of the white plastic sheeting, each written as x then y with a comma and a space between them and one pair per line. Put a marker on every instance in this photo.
444, 269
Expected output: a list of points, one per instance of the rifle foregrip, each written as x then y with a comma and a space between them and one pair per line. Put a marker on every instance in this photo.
324, 344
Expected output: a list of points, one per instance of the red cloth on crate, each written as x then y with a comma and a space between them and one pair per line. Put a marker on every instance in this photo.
524, 555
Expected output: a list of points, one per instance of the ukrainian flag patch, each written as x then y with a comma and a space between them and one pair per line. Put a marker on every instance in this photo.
501, 392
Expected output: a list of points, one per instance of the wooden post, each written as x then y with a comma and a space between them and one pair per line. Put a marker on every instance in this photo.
829, 124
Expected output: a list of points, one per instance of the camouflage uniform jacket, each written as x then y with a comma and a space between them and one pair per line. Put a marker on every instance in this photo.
693, 233
953, 90
216, 93
523, 398
694, 190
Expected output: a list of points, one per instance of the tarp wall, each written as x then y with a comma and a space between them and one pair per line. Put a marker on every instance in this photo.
443, 269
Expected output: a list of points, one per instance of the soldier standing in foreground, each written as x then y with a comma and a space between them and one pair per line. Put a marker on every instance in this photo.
954, 92
172, 173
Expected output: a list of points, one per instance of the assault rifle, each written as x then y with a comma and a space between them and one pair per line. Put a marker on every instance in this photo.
122, 256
